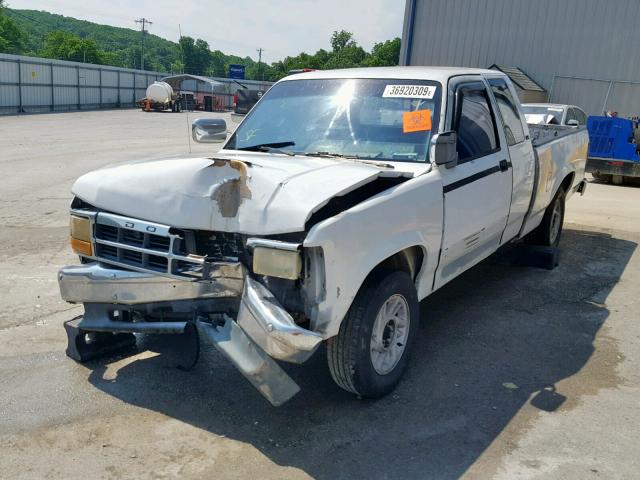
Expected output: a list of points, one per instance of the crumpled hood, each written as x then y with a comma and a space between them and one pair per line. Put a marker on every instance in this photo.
248, 193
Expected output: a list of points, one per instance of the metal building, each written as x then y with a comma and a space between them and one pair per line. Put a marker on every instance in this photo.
582, 52
31, 84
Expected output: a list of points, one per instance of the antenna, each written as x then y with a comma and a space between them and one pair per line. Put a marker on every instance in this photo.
188, 131
181, 50
143, 21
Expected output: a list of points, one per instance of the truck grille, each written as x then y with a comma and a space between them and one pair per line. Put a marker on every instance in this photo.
144, 246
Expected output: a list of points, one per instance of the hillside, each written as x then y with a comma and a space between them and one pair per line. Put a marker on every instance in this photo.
44, 34
124, 43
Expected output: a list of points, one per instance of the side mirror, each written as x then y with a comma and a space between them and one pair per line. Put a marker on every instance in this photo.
573, 122
445, 150
209, 130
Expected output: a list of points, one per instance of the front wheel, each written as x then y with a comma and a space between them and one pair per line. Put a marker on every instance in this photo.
370, 353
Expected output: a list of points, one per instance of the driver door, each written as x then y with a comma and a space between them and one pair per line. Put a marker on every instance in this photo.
477, 191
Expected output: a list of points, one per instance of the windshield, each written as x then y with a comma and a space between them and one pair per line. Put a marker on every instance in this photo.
369, 119
543, 115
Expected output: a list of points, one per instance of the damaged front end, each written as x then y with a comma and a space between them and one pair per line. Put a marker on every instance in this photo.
142, 277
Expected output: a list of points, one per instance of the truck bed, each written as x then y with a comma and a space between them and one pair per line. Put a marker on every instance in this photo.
541, 134
555, 147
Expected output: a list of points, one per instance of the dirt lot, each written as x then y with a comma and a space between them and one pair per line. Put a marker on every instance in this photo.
517, 372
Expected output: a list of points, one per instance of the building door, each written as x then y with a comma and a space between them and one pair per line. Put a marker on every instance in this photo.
208, 103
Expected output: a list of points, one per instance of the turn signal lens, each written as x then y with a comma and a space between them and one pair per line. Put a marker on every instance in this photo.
80, 228
81, 247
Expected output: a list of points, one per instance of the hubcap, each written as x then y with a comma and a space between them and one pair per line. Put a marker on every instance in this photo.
556, 217
390, 334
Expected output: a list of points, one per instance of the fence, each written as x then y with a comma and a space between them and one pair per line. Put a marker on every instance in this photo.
30, 84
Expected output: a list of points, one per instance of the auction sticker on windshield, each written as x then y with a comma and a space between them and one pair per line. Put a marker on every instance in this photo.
409, 91
418, 121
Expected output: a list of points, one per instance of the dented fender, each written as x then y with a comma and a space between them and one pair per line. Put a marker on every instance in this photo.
355, 241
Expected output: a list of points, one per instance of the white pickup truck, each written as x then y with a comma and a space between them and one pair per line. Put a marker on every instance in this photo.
342, 199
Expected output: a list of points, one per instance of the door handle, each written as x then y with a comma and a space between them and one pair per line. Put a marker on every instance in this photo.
504, 165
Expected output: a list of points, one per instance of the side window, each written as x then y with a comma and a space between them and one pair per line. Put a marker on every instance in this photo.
571, 115
581, 116
512, 124
474, 122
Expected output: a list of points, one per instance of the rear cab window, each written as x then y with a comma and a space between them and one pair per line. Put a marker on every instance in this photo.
513, 129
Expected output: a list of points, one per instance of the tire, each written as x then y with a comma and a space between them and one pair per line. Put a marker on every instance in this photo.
548, 233
354, 364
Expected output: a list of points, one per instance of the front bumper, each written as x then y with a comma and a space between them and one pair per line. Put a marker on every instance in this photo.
263, 330
97, 283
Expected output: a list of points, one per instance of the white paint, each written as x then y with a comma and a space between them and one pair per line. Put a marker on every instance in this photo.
286, 190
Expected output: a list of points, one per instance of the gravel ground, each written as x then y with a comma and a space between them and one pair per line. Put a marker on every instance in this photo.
517, 372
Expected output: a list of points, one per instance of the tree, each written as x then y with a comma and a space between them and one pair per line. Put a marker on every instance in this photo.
67, 46
196, 55
341, 39
384, 54
12, 39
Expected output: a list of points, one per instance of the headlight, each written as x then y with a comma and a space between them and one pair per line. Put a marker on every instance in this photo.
276, 262
80, 236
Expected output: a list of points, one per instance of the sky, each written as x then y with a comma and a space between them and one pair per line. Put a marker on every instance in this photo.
279, 27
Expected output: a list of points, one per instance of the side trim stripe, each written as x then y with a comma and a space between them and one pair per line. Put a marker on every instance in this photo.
471, 178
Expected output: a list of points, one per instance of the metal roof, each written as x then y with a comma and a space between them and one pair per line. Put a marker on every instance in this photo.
517, 76
176, 80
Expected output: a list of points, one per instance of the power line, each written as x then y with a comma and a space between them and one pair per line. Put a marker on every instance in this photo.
143, 21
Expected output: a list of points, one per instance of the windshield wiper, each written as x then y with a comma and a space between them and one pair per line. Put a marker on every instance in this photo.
355, 158
272, 147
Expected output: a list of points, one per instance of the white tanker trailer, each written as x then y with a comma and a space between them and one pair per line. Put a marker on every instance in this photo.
161, 96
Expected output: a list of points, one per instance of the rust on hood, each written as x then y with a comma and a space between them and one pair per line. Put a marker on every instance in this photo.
230, 194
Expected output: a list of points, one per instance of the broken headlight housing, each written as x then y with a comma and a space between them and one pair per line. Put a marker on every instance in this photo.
274, 258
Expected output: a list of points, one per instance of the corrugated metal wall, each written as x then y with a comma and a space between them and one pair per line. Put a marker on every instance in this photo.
551, 40
30, 84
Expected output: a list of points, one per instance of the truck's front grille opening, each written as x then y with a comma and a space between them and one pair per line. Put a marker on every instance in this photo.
156, 262
107, 232
131, 237
107, 251
143, 245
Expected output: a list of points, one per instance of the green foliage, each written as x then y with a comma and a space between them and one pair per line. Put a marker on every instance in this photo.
195, 55
67, 46
384, 54
12, 39
39, 33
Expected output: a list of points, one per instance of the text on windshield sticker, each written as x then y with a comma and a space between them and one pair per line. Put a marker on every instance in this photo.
409, 91
418, 121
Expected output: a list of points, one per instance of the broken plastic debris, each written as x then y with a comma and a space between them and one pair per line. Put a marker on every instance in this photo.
510, 386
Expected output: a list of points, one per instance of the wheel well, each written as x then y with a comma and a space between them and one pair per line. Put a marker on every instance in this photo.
408, 260
567, 182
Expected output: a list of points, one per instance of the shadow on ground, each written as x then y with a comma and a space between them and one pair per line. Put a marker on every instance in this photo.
496, 324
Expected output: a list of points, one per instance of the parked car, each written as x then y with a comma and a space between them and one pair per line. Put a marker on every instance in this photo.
554, 114
245, 98
343, 199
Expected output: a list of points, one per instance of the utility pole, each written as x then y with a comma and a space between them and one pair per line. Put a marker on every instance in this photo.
259, 50
181, 51
143, 21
